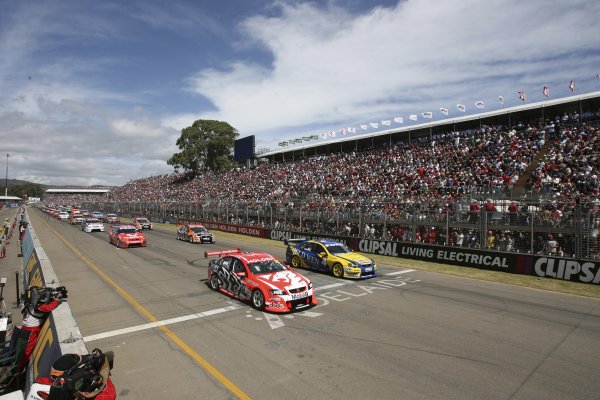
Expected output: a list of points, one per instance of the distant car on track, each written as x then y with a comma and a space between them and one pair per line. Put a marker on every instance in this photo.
62, 215
98, 215
329, 256
125, 236
194, 233
92, 225
77, 220
112, 219
141, 223
261, 279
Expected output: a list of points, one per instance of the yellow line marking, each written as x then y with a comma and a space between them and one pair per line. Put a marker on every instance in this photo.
195, 356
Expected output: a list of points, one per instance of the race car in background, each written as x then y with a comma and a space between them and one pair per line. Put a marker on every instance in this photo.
125, 236
259, 278
194, 233
112, 219
77, 220
329, 256
92, 225
141, 223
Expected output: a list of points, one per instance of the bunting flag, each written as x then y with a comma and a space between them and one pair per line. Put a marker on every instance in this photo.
479, 104
323, 135
427, 114
386, 122
314, 136
461, 107
444, 110
412, 117
522, 95
364, 127
307, 138
374, 125
501, 99
299, 140
351, 130
331, 133
546, 91
282, 144
342, 131
399, 120
572, 86
291, 141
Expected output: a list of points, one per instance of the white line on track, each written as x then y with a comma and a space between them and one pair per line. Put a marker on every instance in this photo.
274, 320
160, 323
404, 271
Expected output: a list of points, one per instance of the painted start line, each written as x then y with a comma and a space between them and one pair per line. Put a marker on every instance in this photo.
274, 321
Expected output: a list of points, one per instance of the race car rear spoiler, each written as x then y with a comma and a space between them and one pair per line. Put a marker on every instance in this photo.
221, 252
298, 240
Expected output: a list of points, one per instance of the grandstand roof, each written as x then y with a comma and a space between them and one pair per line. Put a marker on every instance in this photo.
9, 198
447, 121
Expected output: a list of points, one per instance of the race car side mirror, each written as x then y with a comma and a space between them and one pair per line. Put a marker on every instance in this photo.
322, 254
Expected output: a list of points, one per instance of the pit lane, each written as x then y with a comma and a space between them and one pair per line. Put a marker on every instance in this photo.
418, 336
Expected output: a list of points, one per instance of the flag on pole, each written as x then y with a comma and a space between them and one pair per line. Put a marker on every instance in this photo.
444, 110
546, 91
461, 107
323, 135
479, 104
374, 125
412, 117
427, 114
399, 120
364, 127
522, 95
572, 86
386, 122
314, 136
331, 133
351, 130
501, 99
342, 131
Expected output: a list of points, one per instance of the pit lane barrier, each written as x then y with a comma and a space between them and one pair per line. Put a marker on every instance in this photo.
59, 333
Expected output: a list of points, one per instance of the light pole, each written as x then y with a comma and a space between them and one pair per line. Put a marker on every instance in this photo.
6, 180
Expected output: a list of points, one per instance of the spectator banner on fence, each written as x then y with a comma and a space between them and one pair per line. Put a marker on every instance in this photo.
526, 264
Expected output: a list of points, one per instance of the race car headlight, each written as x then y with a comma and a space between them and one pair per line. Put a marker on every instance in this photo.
277, 292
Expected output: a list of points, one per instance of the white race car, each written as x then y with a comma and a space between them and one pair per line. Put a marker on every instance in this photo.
92, 225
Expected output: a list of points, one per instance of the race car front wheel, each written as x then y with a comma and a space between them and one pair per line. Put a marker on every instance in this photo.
191, 239
337, 270
258, 300
214, 282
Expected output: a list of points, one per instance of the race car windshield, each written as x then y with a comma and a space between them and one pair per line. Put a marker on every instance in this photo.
267, 266
198, 229
128, 230
143, 220
338, 249
93, 221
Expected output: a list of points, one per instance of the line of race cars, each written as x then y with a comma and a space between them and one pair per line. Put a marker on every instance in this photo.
259, 278
270, 285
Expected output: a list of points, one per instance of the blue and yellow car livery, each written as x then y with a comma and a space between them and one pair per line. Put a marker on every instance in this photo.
329, 256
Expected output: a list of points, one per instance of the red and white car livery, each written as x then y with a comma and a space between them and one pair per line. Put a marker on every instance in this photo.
124, 236
261, 279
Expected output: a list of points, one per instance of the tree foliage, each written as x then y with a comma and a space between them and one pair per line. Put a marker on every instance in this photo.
26, 189
206, 145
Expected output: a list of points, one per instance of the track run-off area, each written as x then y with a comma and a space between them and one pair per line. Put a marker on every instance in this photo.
406, 334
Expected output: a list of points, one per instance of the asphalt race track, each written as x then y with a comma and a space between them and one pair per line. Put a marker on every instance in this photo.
403, 335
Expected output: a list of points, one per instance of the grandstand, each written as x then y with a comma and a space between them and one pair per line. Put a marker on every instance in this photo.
415, 184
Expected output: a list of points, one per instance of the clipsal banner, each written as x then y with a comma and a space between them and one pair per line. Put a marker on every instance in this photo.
584, 271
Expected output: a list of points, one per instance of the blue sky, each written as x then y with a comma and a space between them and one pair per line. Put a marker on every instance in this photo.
98, 92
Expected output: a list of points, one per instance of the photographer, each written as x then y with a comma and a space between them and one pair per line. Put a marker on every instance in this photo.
40, 302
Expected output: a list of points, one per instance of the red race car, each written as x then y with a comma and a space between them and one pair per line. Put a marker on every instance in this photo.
261, 279
124, 236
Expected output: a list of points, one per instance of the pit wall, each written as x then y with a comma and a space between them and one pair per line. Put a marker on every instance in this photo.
59, 334
583, 271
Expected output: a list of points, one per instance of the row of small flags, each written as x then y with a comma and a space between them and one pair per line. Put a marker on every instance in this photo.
413, 117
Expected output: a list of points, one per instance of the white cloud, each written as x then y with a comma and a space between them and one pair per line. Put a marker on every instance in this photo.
333, 68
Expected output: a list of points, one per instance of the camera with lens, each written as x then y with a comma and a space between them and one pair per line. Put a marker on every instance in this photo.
49, 293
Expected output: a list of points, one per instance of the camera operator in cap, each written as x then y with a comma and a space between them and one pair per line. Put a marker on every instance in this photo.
35, 313
75, 376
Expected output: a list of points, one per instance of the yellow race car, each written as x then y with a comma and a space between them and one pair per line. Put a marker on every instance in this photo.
329, 256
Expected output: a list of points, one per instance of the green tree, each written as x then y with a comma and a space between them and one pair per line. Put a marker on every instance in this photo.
206, 145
